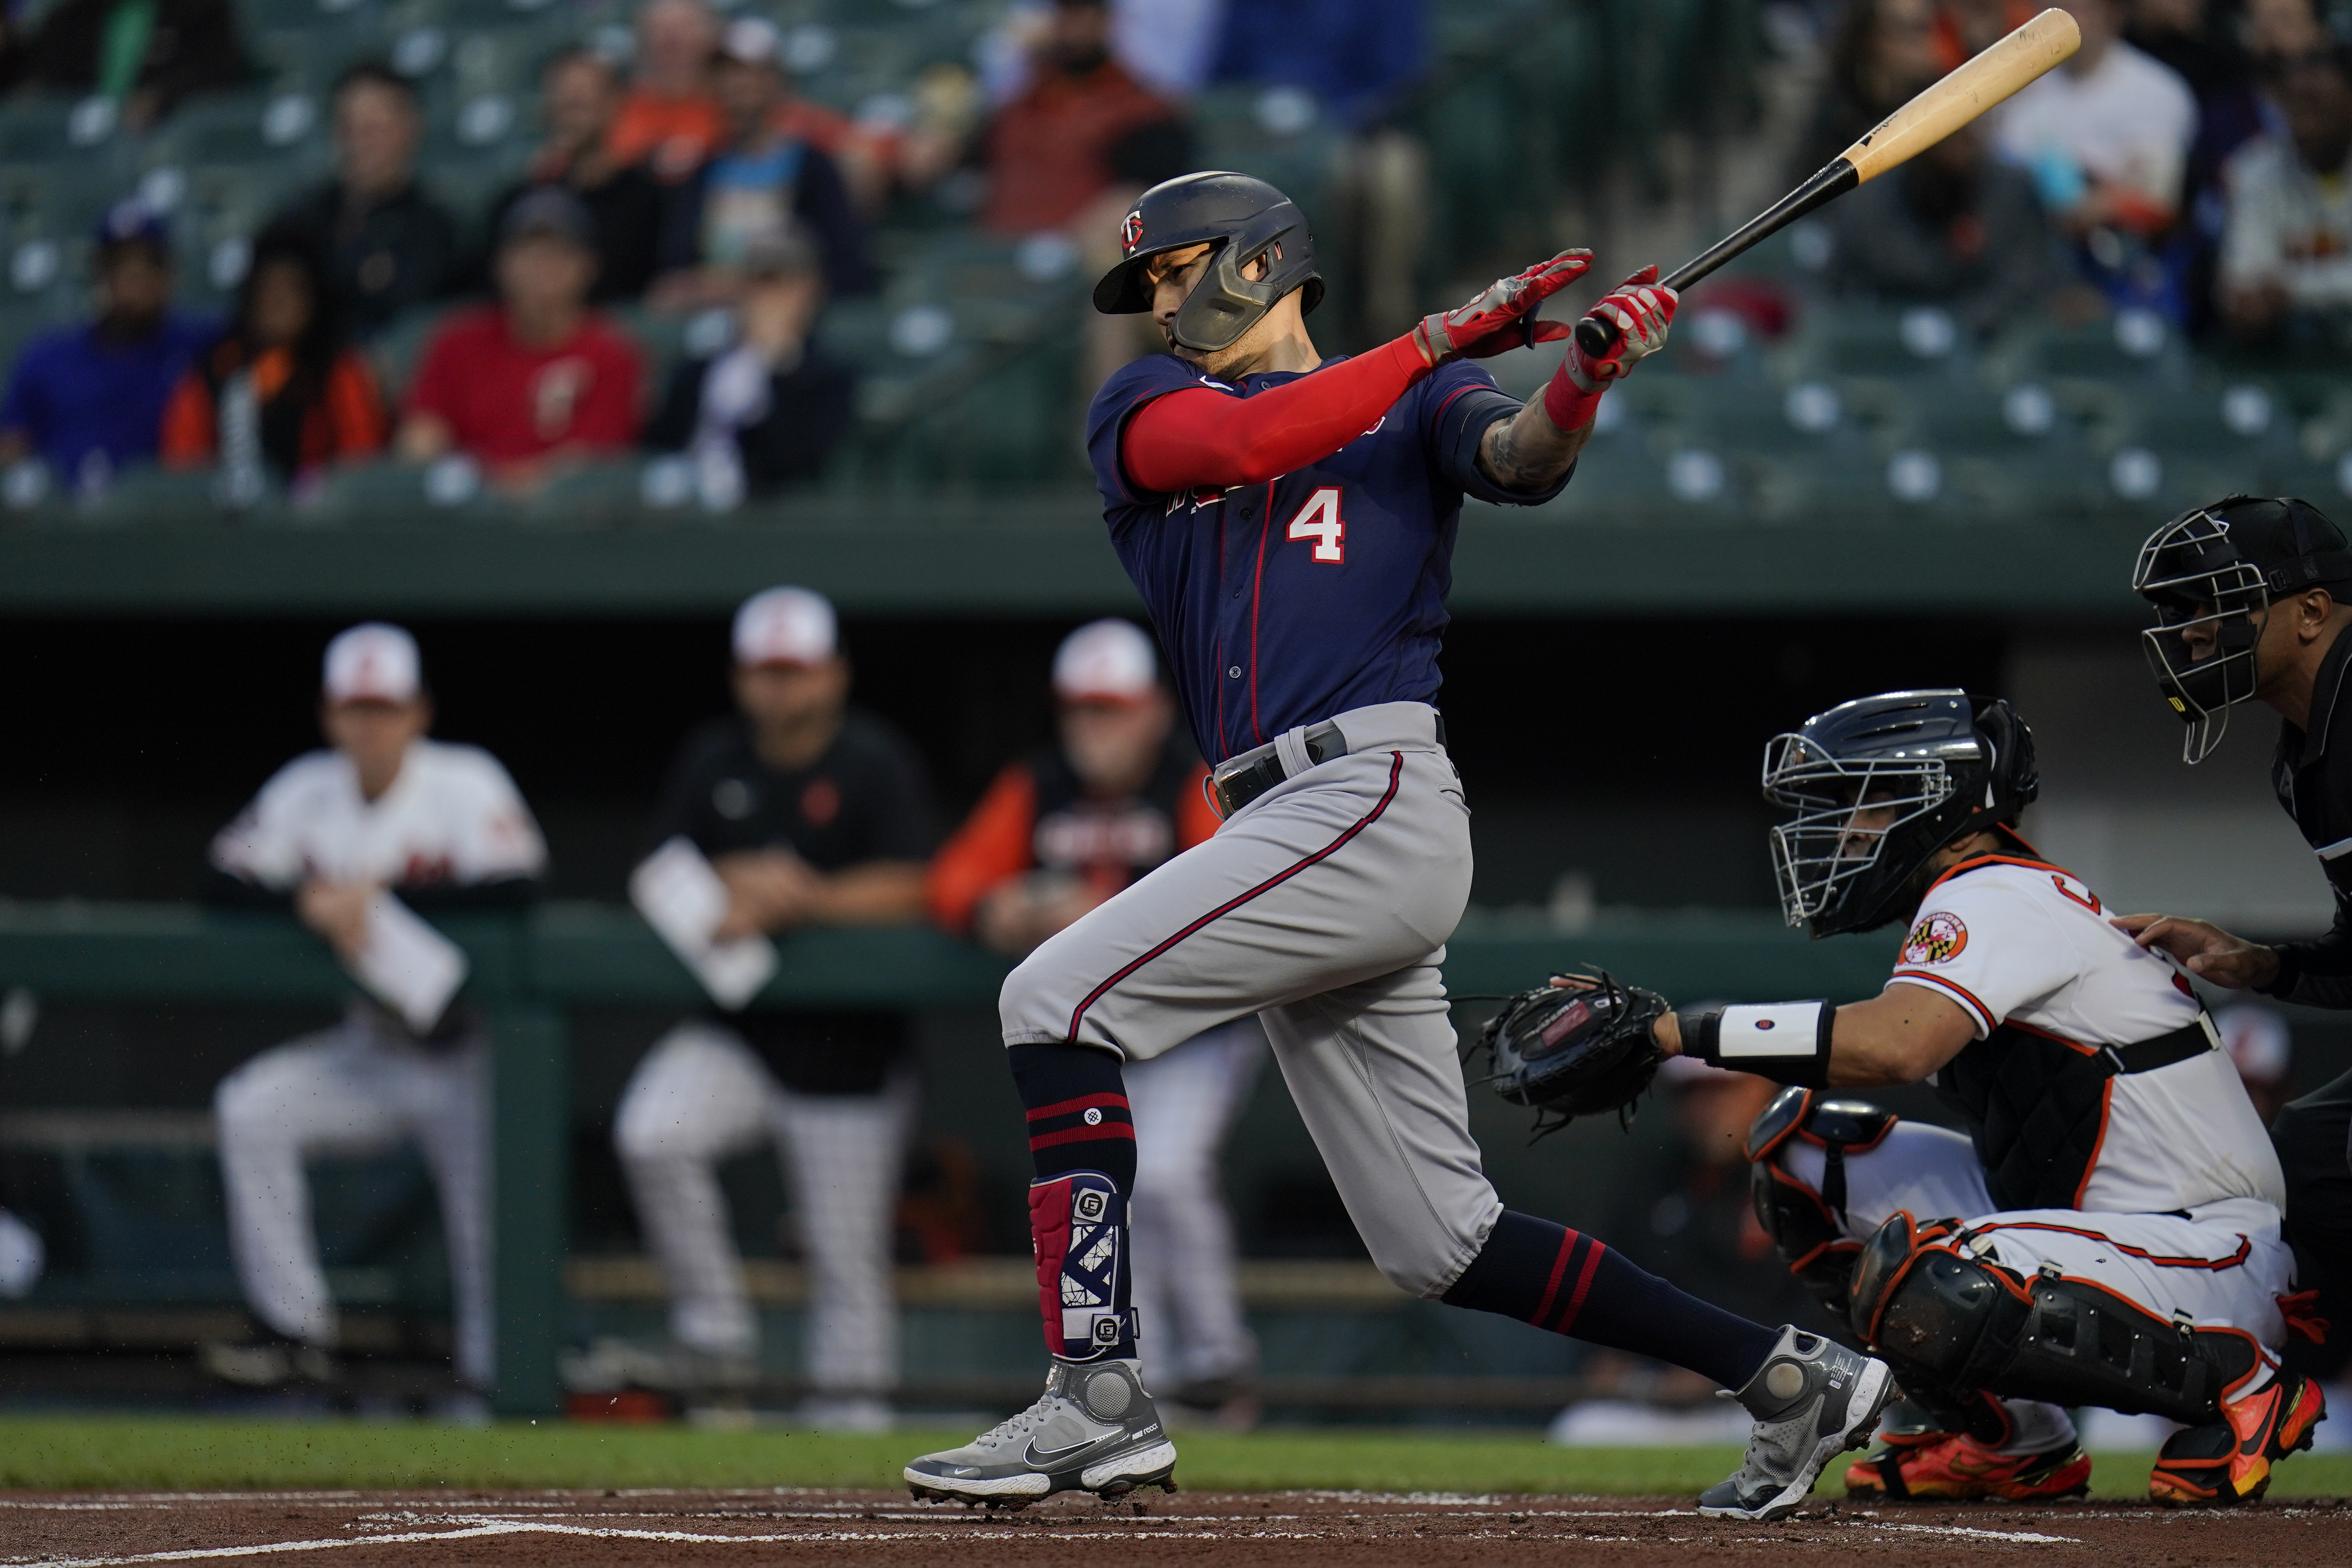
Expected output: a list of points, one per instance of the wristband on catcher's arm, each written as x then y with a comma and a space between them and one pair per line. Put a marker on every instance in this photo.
2290, 970
1787, 1041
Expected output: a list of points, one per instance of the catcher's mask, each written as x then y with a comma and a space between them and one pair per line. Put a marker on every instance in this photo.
1244, 219
2211, 573
1877, 785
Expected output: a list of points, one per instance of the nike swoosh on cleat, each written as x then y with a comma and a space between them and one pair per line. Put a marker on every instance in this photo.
1043, 1456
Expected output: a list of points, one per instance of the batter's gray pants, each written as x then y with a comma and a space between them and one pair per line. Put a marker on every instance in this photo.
1323, 907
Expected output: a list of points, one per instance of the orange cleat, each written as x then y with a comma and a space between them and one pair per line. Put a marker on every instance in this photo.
2227, 1462
1957, 1467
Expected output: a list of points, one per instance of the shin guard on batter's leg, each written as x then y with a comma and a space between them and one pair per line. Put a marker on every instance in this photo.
1078, 1225
1082, 1144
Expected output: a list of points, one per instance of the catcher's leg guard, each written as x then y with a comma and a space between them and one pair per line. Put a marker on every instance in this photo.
1955, 1322
1808, 1227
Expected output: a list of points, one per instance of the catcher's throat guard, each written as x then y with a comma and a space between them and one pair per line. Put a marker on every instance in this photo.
1574, 1050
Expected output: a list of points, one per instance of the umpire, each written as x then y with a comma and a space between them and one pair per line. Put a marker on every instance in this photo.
2250, 598
812, 813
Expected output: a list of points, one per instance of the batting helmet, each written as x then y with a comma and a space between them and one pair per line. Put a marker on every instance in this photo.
1244, 219
1943, 763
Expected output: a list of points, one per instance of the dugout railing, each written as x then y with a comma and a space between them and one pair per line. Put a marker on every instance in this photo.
528, 974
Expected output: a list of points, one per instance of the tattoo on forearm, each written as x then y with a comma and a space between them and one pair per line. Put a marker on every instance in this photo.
1526, 452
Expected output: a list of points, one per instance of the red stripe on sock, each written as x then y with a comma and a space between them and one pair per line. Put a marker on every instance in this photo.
1558, 1269
1082, 1134
1084, 1103
1584, 1284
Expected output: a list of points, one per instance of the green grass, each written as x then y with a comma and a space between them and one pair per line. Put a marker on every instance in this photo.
66, 1453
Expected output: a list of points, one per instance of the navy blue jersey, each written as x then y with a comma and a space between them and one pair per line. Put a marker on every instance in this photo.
1283, 604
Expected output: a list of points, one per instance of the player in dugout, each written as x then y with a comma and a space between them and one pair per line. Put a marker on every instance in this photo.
813, 812
357, 840
2252, 596
1057, 833
2106, 1232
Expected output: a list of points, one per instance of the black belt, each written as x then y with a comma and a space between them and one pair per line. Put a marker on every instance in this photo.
2183, 1044
1235, 783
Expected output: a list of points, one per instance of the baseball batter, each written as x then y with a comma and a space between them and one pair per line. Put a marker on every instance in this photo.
385, 815
2107, 1233
1289, 522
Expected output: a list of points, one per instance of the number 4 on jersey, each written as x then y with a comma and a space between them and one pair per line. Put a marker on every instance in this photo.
1319, 521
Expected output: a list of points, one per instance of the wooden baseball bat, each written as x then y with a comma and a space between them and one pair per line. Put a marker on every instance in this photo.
2022, 56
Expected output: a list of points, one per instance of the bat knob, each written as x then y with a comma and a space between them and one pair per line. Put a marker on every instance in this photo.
1598, 339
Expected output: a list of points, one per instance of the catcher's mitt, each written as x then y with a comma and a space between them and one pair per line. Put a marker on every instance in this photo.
1575, 1050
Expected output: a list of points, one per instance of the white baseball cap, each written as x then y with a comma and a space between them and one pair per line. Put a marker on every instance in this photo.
751, 41
786, 625
1105, 662
373, 662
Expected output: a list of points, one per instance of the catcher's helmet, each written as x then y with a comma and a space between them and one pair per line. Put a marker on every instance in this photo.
2214, 568
1246, 219
1945, 764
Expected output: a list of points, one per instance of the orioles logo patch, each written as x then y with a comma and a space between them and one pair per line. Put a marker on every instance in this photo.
1130, 232
1938, 938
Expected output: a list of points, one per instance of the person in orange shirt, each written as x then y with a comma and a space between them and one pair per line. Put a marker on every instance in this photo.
670, 119
1058, 832
281, 389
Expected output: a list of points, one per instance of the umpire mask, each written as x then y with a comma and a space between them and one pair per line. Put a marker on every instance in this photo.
2211, 573
1875, 787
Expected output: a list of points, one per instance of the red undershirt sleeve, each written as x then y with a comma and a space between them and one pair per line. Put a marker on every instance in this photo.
1197, 438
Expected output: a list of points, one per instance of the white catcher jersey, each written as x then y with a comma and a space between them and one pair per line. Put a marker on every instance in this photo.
452, 816
2024, 943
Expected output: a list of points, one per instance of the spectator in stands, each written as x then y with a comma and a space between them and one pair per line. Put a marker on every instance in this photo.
579, 95
390, 246
2286, 252
88, 401
357, 841
1084, 139
1951, 227
768, 412
281, 389
2106, 136
813, 813
764, 180
1057, 833
536, 382
1884, 53
1359, 61
2261, 1047
144, 56
669, 121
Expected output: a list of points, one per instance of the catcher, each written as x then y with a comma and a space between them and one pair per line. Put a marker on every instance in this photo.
2105, 1234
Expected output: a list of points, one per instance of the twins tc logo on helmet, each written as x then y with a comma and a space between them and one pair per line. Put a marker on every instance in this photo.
1938, 938
1130, 232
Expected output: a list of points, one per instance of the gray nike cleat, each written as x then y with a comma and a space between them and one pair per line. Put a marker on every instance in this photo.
1813, 1399
1093, 1429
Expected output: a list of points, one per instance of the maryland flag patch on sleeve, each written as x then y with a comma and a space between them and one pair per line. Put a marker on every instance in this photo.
1938, 938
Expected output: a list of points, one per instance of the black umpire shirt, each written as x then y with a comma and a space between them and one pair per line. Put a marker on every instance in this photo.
2313, 776
864, 799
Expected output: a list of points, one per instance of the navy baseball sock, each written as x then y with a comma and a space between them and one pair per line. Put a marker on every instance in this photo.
1082, 1144
1559, 1279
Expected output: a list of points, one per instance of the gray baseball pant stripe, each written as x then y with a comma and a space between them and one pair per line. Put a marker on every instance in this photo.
1323, 907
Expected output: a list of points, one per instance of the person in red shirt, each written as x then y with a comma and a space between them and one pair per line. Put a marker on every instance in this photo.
1058, 832
535, 380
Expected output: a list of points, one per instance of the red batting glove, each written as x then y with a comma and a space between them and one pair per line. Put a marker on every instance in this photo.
1642, 310
1504, 317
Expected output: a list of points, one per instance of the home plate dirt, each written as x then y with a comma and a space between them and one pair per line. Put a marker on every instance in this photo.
369, 1530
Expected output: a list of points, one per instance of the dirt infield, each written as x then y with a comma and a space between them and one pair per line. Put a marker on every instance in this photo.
371, 1530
